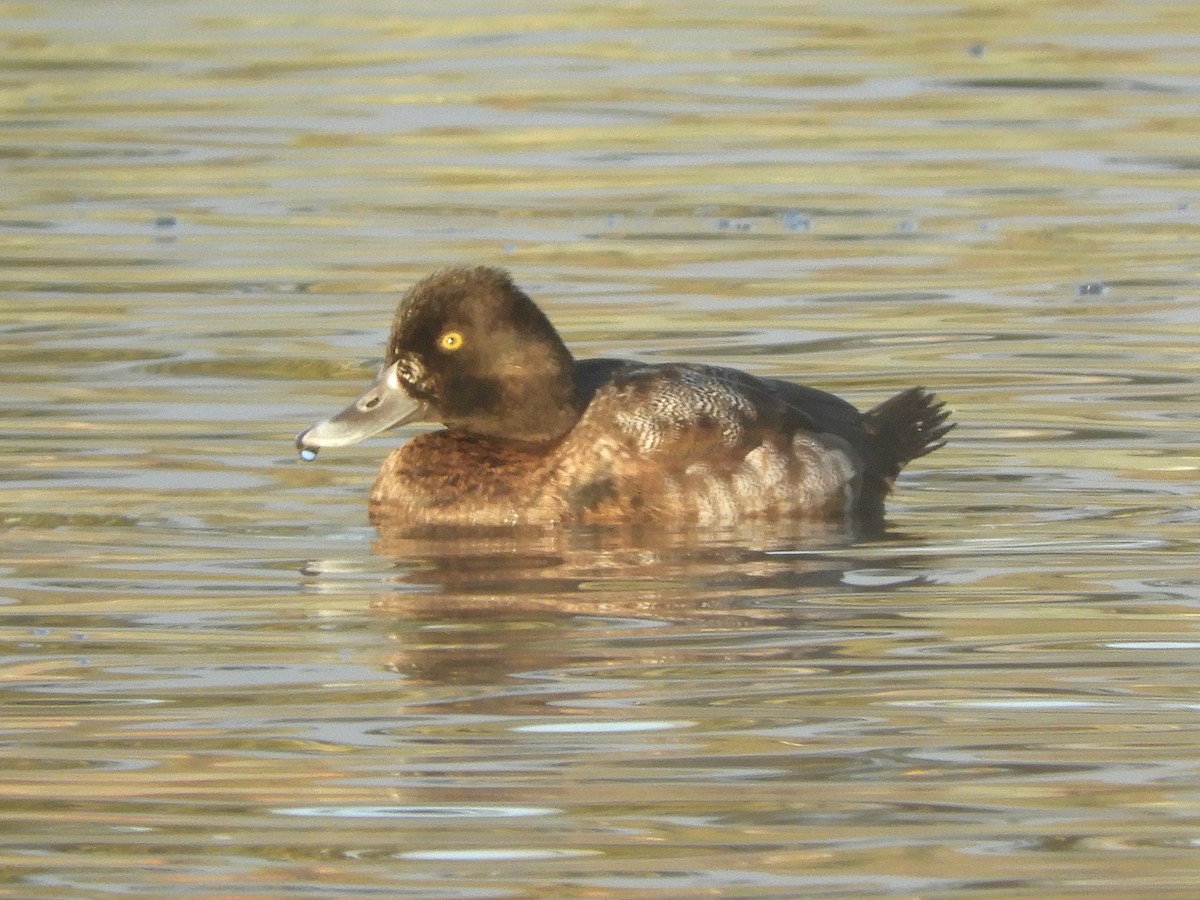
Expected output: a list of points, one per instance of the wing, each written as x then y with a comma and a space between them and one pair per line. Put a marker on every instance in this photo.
688, 412
705, 443
698, 412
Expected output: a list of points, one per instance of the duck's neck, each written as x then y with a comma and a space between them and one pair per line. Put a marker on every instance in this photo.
540, 410
531, 398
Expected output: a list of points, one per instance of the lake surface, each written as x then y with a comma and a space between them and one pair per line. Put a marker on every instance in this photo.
218, 681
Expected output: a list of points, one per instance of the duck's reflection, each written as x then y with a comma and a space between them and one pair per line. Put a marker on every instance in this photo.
471, 608
612, 571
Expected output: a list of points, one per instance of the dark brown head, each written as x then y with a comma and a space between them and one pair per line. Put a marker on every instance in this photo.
468, 348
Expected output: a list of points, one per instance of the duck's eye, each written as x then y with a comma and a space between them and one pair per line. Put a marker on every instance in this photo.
451, 340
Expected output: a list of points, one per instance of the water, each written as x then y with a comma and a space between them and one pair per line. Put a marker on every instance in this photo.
218, 680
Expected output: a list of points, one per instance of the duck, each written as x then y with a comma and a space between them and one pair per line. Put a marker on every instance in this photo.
532, 436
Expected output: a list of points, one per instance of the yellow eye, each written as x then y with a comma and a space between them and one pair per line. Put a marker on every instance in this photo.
451, 340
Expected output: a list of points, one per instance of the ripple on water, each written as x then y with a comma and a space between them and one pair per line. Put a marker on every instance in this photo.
417, 812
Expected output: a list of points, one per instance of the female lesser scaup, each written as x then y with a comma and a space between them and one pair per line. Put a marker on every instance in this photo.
535, 437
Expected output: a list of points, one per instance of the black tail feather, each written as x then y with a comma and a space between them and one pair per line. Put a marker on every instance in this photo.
905, 427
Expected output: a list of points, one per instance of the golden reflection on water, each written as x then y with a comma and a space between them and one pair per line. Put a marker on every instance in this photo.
218, 679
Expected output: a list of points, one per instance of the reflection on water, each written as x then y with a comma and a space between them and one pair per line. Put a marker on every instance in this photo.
219, 680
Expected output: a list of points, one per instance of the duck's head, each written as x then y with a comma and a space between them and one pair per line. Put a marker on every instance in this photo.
468, 348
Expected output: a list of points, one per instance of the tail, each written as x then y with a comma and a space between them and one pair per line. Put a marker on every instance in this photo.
906, 427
